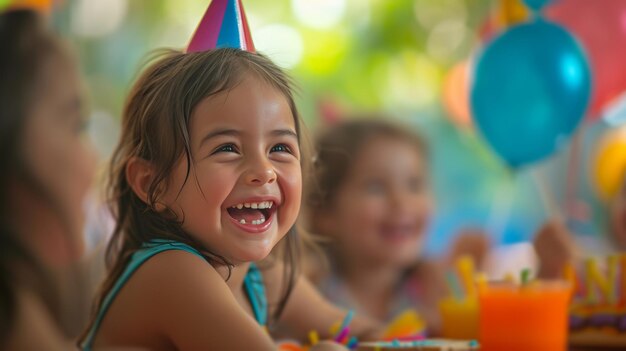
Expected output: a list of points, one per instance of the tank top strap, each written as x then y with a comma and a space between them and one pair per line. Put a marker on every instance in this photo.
253, 284
255, 289
137, 259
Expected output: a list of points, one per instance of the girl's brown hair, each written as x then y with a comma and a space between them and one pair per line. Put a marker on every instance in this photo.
155, 128
336, 150
27, 47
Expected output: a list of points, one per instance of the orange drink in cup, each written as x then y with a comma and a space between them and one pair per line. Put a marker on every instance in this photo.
459, 318
529, 317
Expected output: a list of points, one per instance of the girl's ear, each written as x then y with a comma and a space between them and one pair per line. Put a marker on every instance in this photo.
139, 175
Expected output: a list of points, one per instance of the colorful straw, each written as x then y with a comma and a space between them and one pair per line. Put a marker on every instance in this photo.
525, 276
343, 329
453, 284
352, 343
343, 335
465, 266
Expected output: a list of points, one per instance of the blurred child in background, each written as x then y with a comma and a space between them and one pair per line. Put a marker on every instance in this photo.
47, 169
371, 199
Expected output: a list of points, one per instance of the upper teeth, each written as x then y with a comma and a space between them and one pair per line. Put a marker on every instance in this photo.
255, 205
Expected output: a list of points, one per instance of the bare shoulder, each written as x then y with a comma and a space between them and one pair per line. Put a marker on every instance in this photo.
174, 279
430, 274
426, 269
171, 291
179, 266
196, 308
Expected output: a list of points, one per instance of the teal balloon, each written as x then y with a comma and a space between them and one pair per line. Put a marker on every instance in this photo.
536, 5
530, 90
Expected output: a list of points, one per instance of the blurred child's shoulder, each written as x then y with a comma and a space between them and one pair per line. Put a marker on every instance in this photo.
424, 268
427, 273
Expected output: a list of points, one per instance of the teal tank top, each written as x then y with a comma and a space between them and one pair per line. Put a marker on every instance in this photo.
253, 284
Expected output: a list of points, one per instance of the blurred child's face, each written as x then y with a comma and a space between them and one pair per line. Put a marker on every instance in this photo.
381, 211
244, 188
61, 160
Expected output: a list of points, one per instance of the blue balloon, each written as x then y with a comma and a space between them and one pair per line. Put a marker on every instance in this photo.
530, 90
536, 5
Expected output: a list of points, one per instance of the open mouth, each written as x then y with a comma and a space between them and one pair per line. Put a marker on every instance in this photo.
252, 213
400, 232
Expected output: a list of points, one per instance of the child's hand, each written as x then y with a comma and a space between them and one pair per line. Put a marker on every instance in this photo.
328, 346
555, 248
473, 242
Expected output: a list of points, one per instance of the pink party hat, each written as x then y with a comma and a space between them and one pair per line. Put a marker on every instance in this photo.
224, 25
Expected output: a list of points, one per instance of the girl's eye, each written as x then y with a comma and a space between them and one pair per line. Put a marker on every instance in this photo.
281, 148
225, 148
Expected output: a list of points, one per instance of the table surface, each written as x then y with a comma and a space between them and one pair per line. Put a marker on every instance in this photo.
595, 348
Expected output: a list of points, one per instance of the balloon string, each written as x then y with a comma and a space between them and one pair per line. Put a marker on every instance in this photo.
573, 168
547, 196
500, 211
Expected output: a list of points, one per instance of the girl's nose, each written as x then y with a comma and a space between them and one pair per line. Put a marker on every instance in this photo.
399, 199
261, 173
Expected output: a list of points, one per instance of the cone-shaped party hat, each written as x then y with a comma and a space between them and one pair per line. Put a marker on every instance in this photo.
224, 25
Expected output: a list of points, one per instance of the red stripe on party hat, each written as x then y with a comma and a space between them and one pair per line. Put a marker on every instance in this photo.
223, 25
249, 45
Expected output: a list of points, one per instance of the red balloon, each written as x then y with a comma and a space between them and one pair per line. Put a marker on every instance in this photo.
601, 28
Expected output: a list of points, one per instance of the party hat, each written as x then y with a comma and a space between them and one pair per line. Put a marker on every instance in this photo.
224, 25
